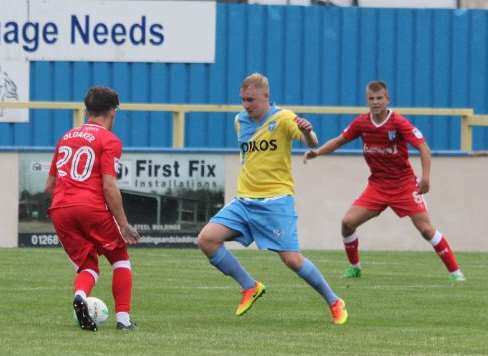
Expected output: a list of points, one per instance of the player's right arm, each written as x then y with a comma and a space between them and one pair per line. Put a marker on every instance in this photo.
51, 178
328, 147
50, 184
113, 198
350, 133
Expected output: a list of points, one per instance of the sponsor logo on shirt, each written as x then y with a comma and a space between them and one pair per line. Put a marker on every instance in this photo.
417, 133
259, 146
380, 150
392, 135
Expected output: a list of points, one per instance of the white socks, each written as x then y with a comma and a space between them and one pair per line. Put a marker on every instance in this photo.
123, 317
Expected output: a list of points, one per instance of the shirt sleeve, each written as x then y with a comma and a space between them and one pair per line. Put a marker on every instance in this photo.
237, 126
111, 152
352, 131
409, 132
292, 127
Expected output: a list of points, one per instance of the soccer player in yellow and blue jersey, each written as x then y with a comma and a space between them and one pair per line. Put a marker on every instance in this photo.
264, 209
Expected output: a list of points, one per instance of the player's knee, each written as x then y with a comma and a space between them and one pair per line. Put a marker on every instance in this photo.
427, 232
347, 227
292, 261
119, 254
201, 239
204, 239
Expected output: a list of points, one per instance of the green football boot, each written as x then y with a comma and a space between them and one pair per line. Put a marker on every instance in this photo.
352, 272
457, 276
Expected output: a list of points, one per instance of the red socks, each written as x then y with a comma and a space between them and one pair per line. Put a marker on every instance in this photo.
444, 251
122, 288
440, 244
351, 245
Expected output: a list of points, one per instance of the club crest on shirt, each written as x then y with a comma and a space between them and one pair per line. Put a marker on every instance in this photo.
272, 125
117, 166
417, 133
392, 135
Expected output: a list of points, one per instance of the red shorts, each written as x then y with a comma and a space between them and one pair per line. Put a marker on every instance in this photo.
404, 202
86, 233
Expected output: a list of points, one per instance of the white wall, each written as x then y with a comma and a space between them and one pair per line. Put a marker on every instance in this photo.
9, 199
326, 187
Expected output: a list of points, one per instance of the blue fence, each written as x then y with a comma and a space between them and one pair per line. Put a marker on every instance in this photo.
313, 56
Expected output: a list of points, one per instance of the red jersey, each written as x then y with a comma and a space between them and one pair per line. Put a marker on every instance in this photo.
82, 156
385, 147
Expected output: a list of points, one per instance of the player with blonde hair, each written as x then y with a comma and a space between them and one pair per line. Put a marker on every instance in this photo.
264, 209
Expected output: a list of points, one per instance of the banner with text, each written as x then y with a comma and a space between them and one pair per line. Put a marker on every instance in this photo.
167, 197
93, 30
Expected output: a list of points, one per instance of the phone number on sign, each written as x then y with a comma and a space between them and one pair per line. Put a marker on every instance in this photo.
44, 240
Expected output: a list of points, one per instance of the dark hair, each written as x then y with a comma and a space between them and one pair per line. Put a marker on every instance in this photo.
376, 85
100, 100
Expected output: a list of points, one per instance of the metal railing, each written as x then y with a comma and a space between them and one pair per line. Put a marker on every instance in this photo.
468, 118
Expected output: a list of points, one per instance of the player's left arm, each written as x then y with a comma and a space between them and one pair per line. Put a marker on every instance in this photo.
309, 137
425, 159
414, 137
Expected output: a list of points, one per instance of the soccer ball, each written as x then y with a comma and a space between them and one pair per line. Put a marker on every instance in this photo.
97, 309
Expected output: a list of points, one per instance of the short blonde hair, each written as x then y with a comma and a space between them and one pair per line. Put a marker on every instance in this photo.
376, 85
257, 80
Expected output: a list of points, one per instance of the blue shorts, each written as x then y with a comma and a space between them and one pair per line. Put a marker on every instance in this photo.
271, 222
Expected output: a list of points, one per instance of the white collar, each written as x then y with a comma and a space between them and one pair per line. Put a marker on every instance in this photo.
390, 112
94, 125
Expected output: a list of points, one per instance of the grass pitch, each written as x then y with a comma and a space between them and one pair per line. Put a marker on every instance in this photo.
403, 305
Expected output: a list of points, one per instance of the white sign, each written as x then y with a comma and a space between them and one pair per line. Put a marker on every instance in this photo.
170, 174
14, 86
127, 31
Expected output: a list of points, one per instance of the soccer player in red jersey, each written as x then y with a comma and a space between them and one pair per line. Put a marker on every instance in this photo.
86, 209
392, 182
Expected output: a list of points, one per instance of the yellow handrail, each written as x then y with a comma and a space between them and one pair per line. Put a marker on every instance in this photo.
469, 119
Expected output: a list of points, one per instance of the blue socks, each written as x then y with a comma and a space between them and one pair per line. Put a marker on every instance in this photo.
312, 276
225, 262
